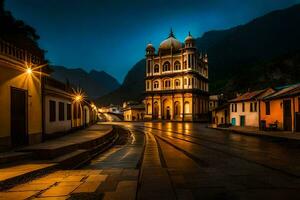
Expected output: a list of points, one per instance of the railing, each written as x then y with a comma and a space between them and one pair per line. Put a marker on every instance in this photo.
18, 54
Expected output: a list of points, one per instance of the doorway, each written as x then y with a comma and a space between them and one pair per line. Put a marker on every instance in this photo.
242, 120
168, 114
19, 133
287, 115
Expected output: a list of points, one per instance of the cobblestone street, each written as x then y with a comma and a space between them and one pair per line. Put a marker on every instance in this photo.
176, 161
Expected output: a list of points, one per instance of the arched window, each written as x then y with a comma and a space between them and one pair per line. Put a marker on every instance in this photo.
177, 83
167, 83
166, 66
156, 69
187, 107
177, 65
156, 84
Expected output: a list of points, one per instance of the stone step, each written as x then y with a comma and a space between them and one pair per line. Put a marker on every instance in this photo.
11, 175
84, 140
72, 159
10, 157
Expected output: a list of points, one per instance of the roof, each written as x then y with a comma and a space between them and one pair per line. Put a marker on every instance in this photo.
170, 42
247, 96
285, 91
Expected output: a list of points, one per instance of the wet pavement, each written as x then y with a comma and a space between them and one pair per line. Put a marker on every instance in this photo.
177, 161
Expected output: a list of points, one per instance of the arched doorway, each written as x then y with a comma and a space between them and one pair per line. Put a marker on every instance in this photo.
177, 110
86, 115
155, 110
167, 105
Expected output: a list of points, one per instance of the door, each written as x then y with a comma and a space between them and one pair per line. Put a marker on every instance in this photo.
233, 121
287, 115
19, 135
242, 120
168, 114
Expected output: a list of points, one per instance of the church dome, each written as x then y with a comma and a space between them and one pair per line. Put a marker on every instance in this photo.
170, 42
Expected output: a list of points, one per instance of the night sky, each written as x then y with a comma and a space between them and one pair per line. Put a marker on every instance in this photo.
111, 35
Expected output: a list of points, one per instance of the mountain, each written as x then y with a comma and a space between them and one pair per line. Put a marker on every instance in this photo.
239, 58
131, 89
95, 83
264, 52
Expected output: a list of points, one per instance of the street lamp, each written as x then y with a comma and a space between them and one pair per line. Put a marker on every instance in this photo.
78, 98
29, 71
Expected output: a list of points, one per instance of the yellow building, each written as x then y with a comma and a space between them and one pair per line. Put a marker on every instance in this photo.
134, 112
21, 97
176, 81
245, 109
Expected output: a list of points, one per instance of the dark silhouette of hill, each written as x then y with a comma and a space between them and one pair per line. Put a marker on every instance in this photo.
239, 57
95, 83
261, 53
131, 89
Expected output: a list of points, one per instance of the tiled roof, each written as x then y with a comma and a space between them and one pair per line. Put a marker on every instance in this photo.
285, 91
247, 96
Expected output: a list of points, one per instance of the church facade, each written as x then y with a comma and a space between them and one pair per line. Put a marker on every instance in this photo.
176, 81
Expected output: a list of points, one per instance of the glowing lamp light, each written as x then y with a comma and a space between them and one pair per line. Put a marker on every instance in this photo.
29, 71
78, 98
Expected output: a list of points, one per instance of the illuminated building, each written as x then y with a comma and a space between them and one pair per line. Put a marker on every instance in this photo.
21, 96
176, 81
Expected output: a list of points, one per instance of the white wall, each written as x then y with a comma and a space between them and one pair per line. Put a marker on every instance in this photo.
251, 118
56, 126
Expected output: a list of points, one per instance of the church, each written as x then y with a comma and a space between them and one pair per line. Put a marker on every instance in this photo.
176, 81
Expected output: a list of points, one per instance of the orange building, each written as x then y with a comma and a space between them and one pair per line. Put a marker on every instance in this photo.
281, 109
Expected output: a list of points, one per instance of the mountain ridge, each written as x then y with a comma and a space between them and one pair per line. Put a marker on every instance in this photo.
94, 83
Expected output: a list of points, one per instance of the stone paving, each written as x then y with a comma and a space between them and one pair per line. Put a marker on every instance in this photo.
161, 162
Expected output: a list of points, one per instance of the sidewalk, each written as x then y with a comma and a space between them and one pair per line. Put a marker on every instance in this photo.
252, 131
65, 152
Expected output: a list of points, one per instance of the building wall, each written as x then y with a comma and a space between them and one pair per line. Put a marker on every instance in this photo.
57, 125
276, 112
251, 118
219, 117
11, 76
190, 106
132, 114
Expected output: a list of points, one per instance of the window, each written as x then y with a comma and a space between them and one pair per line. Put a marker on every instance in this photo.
185, 81
147, 84
167, 84
52, 108
177, 83
177, 65
156, 69
166, 66
253, 107
61, 111
156, 84
68, 111
234, 107
268, 108
243, 107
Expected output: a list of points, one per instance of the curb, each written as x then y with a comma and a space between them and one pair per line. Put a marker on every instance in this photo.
256, 135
